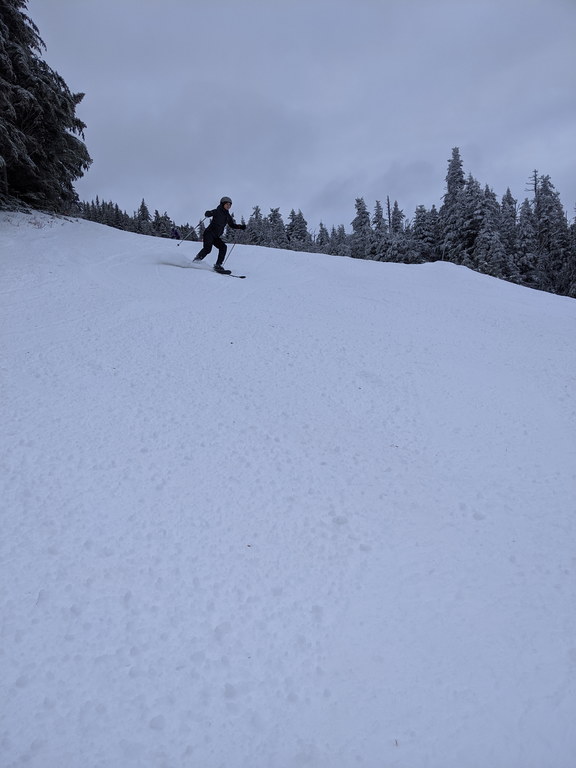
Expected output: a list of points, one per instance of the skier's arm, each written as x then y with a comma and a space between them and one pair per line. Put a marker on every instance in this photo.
232, 223
209, 214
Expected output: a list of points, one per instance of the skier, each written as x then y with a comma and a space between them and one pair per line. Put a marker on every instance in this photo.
213, 233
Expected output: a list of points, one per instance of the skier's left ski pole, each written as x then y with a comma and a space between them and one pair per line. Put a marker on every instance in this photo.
229, 252
231, 249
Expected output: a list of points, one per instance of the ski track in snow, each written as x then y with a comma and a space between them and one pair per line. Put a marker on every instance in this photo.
323, 516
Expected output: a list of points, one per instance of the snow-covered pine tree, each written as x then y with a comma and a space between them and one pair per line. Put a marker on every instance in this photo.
189, 232
452, 211
473, 209
339, 244
238, 235
553, 237
488, 253
361, 240
400, 247
143, 214
527, 245
19, 39
322, 239
571, 268
41, 151
509, 232
396, 220
380, 240
297, 232
162, 225
255, 227
424, 233
3, 177
143, 219
276, 229
121, 218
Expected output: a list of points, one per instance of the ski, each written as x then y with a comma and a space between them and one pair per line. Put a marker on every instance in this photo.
208, 268
229, 274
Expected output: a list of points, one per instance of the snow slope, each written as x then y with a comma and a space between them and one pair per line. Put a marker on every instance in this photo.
323, 516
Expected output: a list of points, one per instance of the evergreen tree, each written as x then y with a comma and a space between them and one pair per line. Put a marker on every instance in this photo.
400, 248
107, 213
323, 239
121, 218
299, 238
396, 220
339, 244
276, 229
255, 227
571, 266
265, 234
238, 235
553, 238
472, 210
143, 214
488, 252
362, 240
380, 233
41, 153
143, 219
378, 221
455, 179
162, 225
509, 232
424, 234
435, 229
189, 232
452, 211
527, 245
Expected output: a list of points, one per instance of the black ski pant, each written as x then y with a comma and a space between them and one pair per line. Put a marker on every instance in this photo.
209, 240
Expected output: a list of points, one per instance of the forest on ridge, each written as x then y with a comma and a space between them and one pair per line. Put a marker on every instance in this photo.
42, 153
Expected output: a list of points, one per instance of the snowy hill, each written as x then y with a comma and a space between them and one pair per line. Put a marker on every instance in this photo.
323, 516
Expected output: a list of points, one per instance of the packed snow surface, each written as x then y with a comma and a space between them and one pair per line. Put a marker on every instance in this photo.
324, 516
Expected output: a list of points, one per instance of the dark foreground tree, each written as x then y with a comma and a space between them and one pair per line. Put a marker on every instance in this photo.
41, 147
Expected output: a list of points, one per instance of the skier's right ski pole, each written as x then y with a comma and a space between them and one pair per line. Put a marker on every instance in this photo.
192, 230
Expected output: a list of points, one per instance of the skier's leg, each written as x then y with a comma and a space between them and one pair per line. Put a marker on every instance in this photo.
208, 242
222, 248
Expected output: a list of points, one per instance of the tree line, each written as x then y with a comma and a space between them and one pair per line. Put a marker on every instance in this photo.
530, 243
42, 153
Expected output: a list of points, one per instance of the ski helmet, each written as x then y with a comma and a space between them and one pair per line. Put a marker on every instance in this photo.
225, 200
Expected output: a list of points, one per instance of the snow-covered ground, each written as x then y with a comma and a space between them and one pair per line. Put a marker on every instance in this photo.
324, 516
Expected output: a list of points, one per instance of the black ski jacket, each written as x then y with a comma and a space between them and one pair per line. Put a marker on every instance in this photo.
220, 218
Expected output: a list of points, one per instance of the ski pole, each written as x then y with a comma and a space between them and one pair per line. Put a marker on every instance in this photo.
229, 252
231, 249
192, 230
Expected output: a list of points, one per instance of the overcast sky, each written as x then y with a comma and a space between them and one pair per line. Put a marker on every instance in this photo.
309, 104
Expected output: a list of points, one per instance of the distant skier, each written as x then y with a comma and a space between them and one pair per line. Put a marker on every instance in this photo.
221, 218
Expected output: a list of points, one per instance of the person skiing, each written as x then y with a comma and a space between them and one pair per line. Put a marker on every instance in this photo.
221, 218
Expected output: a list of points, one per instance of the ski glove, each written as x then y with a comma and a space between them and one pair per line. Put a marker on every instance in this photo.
208, 214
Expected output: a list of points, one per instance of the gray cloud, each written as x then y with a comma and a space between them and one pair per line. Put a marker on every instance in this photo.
311, 104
